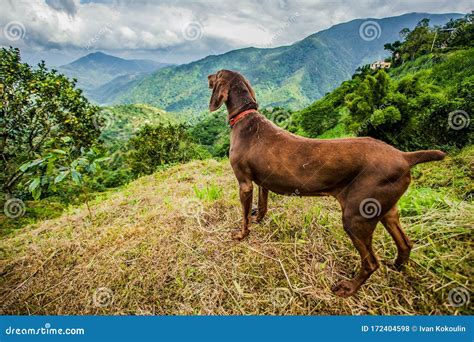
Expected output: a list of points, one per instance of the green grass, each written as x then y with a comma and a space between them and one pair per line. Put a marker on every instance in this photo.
209, 192
339, 131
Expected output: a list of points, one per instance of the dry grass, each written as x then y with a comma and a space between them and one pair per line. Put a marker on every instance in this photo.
154, 258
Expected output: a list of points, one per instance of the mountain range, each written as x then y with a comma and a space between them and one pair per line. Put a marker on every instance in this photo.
96, 69
292, 76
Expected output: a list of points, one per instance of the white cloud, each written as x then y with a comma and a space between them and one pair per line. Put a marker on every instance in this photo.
161, 26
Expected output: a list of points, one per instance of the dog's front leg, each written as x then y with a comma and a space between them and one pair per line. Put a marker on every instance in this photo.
262, 205
245, 192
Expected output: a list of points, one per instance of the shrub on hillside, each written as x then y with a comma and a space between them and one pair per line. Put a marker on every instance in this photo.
160, 145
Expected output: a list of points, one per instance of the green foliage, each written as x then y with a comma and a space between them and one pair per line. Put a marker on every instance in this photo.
366, 98
414, 111
161, 145
58, 166
38, 106
122, 121
213, 132
411, 106
454, 175
424, 39
417, 201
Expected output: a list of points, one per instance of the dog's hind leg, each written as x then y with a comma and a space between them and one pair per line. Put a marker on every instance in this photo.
391, 222
245, 193
360, 230
259, 214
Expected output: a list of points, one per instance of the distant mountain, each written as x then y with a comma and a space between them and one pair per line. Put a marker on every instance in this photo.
105, 93
98, 68
292, 76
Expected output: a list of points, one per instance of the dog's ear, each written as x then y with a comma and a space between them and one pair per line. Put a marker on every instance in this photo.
249, 87
211, 79
220, 92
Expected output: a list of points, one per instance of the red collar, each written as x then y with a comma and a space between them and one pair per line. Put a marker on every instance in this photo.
240, 116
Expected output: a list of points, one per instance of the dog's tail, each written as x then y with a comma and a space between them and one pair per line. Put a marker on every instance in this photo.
418, 157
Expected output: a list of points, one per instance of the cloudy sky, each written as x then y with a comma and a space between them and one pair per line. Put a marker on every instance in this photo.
60, 31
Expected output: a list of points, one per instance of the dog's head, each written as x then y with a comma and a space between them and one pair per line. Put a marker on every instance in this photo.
233, 89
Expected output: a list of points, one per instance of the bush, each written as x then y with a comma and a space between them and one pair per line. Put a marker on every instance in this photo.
155, 146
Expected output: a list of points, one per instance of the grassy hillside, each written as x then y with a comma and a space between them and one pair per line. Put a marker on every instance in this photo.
290, 76
122, 121
161, 245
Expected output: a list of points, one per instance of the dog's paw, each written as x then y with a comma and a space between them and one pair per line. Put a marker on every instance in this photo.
394, 265
344, 288
255, 219
240, 235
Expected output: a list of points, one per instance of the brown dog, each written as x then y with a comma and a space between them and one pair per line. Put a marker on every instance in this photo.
365, 175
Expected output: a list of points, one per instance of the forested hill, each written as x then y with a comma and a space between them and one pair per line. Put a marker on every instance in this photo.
424, 100
291, 76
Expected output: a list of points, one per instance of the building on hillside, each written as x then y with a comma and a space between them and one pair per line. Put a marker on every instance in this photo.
380, 65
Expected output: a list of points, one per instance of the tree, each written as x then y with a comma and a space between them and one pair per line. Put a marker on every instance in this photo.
325, 113
160, 145
365, 99
417, 41
37, 106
